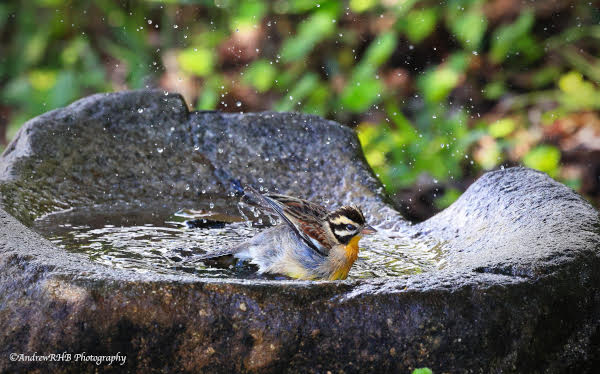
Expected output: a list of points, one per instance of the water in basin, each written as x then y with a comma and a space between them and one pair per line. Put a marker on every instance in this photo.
166, 239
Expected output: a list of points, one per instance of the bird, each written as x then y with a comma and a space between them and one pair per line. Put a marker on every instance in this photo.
311, 243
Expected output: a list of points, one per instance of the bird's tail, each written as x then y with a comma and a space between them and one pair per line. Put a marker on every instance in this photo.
222, 252
254, 198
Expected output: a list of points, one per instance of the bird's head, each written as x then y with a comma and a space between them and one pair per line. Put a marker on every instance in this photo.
347, 223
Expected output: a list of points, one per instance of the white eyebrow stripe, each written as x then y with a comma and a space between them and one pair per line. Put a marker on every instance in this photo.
342, 220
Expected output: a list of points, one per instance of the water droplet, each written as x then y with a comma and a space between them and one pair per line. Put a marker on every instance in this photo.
140, 110
159, 150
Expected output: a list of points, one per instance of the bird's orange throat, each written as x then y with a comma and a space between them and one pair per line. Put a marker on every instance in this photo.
351, 254
352, 249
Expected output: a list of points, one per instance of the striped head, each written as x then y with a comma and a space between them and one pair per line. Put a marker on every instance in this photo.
347, 222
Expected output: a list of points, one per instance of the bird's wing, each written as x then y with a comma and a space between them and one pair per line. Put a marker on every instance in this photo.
300, 215
299, 209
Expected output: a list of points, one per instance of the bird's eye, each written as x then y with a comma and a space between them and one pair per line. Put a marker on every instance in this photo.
350, 227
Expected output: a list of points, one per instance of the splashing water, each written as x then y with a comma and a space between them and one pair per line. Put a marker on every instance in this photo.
150, 239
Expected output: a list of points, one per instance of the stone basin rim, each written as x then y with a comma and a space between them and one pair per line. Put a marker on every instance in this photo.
171, 109
78, 268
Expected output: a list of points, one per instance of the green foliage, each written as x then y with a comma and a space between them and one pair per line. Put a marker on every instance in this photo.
303, 87
444, 89
422, 371
545, 158
261, 74
468, 26
577, 93
514, 38
450, 196
196, 61
502, 127
316, 28
364, 87
436, 84
419, 24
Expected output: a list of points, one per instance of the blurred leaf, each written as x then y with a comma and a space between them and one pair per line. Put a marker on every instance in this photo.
261, 75
578, 93
545, 76
318, 100
494, 90
208, 99
363, 89
359, 6
449, 197
306, 84
573, 183
197, 61
437, 84
401, 8
544, 158
360, 94
469, 27
17, 90
590, 68
136, 58
316, 28
65, 91
422, 371
248, 13
407, 132
34, 50
301, 6
210, 94
506, 38
42, 80
502, 127
4, 14
50, 3
380, 50
73, 51
419, 24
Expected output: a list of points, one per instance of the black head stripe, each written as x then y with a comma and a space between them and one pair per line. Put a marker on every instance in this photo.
354, 217
344, 239
352, 213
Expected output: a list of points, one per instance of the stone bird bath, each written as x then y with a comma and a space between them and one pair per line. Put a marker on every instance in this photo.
519, 291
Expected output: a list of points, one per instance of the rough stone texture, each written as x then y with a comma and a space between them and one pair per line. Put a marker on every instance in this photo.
519, 291
144, 145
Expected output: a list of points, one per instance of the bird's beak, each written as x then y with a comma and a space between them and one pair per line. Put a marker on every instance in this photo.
368, 229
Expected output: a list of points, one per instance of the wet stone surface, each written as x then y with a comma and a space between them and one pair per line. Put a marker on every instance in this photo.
504, 280
156, 240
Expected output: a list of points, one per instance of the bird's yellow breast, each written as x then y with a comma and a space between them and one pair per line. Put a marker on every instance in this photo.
351, 254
